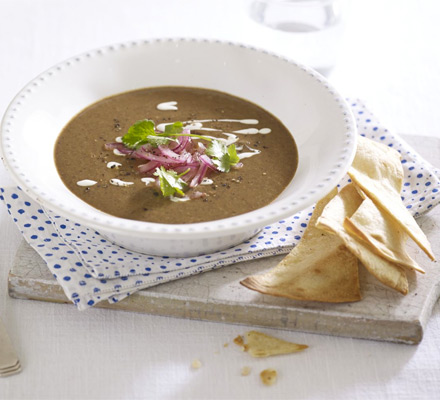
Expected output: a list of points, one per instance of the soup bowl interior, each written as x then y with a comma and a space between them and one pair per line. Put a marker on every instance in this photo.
316, 115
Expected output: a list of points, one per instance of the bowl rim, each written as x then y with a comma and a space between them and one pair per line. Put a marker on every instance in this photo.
251, 220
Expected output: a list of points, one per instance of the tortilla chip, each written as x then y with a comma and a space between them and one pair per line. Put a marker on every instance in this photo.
383, 235
259, 344
379, 162
319, 268
343, 206
377, 170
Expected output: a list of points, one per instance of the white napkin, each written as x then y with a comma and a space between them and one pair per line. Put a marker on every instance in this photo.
91, 269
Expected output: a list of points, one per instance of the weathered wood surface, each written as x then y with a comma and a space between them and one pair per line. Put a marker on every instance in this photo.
217, 296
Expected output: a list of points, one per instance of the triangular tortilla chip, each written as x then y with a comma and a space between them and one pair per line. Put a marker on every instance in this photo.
332, 219
377, 170
259, 344
319, 268
383, 235
379, 162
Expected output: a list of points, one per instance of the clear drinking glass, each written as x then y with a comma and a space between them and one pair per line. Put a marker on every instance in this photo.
313, 28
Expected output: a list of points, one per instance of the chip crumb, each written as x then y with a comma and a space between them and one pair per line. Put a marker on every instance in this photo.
261, 345
239, 341
245, 371
268, 376
196, 364
226, 345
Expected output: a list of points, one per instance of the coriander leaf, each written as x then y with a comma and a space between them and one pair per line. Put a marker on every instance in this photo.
216, 149
170, 182
223, 156
223, 164
158, 140
138, 133
176, 127
232, 151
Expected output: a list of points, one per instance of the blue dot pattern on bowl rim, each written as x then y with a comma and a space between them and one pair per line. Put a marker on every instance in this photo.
91, 269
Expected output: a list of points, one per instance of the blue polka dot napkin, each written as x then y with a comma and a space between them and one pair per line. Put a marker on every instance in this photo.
91, 269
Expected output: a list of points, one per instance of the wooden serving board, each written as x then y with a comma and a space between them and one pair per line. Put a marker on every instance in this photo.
217, 295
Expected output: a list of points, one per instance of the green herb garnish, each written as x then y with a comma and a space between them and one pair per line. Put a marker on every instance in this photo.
176, 127
138, 133
170, 181
223, 156
143, 132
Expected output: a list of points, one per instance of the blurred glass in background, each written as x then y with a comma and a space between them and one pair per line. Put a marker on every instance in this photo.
313, 29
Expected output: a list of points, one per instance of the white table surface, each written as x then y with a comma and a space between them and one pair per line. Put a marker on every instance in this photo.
390, 59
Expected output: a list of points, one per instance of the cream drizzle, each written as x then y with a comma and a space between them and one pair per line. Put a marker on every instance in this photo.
230, 137
179, 199
167, 106
118, 182
86, 182
147, 181
242, 121
198, 123
254, 131
116, 152
113, 164
207, 181
252, 152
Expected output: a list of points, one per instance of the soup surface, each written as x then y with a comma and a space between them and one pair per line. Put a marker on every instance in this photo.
267, 152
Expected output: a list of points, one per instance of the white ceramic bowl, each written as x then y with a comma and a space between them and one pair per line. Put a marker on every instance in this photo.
317, 116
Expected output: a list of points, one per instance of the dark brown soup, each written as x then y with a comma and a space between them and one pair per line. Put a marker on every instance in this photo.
81, 155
